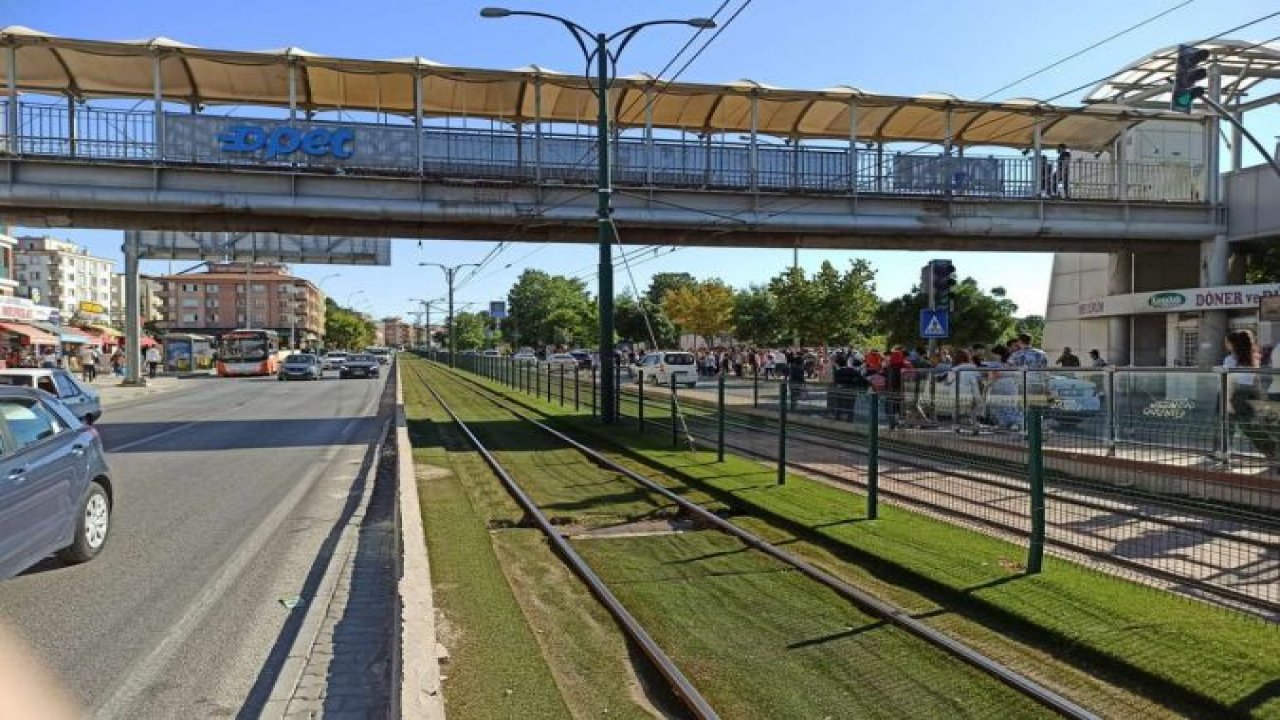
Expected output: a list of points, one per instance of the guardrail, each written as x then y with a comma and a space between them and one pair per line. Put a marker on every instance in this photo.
85, 131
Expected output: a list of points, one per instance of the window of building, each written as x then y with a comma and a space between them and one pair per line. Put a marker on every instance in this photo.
211, 302
210, 288
190, 287
190, 317
190, 302
259, 303
259, 288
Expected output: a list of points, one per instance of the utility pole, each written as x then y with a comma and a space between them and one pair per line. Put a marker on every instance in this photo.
450, 273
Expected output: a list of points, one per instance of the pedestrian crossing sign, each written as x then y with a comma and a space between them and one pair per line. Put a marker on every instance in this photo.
935, 324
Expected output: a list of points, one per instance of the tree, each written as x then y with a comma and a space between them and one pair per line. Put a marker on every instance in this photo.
755, 316
549, 309
662, 283
977, 317
704, 308
1262, 264
830, 307
344, 328
1032, 325
469, 328
629, 322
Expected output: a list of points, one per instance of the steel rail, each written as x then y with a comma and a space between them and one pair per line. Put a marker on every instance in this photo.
868, 602
678, 682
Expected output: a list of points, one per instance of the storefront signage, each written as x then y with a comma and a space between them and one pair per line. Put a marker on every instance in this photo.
23, 310
284, 140
1231, 297
92, 308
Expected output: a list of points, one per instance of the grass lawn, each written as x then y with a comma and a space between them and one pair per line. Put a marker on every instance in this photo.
1189, 657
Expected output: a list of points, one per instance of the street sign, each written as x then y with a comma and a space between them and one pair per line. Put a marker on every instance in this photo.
498, 309
935, 324
92, 308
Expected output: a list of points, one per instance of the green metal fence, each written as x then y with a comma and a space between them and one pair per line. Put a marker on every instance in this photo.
1171, 496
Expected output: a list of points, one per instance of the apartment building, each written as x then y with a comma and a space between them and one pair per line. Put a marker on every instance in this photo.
8, 283
150, 302
63, 275
396, 332
231, 295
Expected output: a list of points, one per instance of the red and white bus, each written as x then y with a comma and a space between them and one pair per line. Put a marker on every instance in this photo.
246, 353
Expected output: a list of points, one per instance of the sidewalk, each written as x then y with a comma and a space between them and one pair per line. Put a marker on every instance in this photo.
112, 392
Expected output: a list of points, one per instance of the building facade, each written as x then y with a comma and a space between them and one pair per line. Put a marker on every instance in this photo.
8, 280
63, 275
396, 332
150, 302
231, 296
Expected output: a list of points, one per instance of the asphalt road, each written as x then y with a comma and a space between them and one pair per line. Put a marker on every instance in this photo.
227, 499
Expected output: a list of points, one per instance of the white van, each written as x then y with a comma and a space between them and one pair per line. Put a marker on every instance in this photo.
660, 366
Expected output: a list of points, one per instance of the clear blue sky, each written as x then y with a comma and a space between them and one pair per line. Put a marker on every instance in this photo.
964, 48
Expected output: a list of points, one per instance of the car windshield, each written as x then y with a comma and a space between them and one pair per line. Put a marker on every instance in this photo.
361, 358
18, 380
679, 359
300, 359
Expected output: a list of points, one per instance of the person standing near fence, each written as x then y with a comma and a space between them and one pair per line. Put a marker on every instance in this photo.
1244, 393
1064, 172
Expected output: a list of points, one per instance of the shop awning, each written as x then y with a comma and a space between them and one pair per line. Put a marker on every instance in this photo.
34, 335
65, 335
102, 334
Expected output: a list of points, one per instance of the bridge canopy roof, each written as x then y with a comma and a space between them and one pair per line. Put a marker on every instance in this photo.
85, 69
1147, 82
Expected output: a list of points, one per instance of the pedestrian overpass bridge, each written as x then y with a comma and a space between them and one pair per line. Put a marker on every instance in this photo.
141, 136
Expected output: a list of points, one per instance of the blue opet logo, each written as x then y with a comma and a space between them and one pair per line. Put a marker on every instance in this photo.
284, 140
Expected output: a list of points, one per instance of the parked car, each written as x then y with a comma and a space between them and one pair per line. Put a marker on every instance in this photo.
661, 366
525, 356
55, 488
366, 366
301, 366
1067, 400
565, 359
382, 354
584, 358
491, 352
334, 360
78, 397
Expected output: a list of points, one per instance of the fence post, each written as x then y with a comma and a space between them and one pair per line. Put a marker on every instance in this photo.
1224, 417
873, 459
755, 385
561, 384
537, 382
640, 402
1035, 474
720, 420
675, 441
577, 388
595, 390
1113, 428
548, 384
782, 432
617, 385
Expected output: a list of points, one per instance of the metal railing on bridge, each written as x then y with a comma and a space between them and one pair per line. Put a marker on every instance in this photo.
90, 132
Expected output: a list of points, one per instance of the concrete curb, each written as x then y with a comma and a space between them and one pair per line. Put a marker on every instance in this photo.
417, 661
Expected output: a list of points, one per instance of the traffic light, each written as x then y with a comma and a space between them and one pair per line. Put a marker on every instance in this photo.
1185, 77
942, 280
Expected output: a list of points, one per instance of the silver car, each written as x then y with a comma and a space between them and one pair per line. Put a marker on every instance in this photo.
78, 397
55, 488
301, 366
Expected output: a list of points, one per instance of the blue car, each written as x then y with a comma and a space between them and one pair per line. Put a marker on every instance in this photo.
55, 488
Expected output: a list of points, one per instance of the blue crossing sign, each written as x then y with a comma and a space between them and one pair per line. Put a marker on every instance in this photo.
935, 324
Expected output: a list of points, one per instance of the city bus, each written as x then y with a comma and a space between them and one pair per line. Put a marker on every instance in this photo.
244, 353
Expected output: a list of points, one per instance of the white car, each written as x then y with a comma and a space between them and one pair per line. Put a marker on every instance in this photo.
80, 399
563, 359
525, 356
492, 353
660, 367
334, 360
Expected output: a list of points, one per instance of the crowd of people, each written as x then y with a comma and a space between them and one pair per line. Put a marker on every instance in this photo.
90, 361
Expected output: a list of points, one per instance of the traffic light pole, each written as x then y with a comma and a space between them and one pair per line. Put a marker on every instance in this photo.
1230, 117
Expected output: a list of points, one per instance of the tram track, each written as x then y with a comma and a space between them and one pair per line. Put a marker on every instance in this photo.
679, 683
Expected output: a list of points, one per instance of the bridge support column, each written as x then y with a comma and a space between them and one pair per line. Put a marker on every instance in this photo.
11, 110
132, 313
1214, 262
1119, 329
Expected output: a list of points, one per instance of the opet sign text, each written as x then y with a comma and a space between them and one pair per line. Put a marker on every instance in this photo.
282, 140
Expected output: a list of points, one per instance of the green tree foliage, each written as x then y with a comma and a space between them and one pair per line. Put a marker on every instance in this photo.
755, 316
549, 310
1032, 325
704, 308
344, 328
976, 317
829, 308
629, 322
662, 283
469, 328
1262, 264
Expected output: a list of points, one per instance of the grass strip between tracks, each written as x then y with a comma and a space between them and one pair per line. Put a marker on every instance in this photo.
1192, 658
758, 639
512, 617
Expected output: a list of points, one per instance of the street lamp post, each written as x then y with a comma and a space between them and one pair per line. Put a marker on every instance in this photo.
426, 312
605, 60
450, 272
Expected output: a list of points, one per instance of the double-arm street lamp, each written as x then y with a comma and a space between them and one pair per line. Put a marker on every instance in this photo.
606, 61
450, 272
426, 311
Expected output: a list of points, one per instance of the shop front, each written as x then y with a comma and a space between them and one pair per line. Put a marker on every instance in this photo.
1163, 326
22, 343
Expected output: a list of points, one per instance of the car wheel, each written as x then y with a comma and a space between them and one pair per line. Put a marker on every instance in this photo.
93, 523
